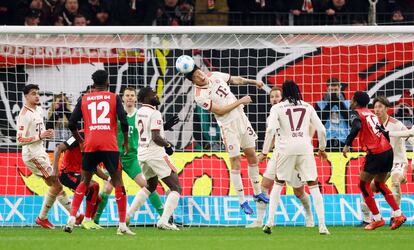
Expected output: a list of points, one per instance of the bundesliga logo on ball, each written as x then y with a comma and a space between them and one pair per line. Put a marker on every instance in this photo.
184, 64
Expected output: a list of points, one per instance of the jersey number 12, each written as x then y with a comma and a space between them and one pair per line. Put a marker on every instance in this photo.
102, 119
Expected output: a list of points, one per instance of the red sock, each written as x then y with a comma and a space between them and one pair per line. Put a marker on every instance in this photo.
368, 197
386, 192
91, 197
121, 201
77, 198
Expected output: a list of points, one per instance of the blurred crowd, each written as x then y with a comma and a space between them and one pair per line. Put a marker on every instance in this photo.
202, 12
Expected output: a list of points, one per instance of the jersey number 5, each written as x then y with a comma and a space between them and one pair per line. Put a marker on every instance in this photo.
102, 119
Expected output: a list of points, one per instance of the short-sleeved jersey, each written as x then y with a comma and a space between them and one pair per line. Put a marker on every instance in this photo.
291, 124
72, 157
30, 125
397, 143
219, 93
370, 137
133, 137
148, 119
100, 121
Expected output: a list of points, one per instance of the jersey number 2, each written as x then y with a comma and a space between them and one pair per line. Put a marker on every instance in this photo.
102, 119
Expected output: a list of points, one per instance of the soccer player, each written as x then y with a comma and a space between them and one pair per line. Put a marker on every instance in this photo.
30, 135
378, 161
212, 93
153, 151
399, 168
290, 121
270, 174
100, 110
130, 161
70, 176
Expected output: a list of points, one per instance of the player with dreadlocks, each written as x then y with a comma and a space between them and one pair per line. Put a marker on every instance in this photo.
290, 122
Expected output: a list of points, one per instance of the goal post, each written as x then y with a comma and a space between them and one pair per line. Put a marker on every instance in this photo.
375, 59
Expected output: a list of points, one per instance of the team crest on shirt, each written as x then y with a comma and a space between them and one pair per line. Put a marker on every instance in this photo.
21, 128
230, 147
158, 122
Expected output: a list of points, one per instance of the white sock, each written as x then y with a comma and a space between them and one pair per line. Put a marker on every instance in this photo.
170, 204
260, 210
377, 217
254, 177
397, 212
274, 201
396, 192
318, 204
63, 199
122, 225
138, 201
236, 179
47, 205
305, 200
366, 213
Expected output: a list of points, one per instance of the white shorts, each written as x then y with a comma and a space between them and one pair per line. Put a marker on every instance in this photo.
270, 173
400, 168
288, 167
238, 134
157, 167
40, 165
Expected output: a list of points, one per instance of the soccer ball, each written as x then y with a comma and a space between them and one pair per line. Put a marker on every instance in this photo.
184, 64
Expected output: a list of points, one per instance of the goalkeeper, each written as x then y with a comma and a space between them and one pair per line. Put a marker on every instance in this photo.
130, 161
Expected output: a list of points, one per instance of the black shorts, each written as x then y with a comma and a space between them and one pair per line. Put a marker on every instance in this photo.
70, 180
379, 163
110, 159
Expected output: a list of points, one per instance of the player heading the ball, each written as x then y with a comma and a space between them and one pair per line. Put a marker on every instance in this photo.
212, 93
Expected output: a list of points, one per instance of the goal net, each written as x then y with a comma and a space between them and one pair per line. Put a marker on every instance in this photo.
378, 60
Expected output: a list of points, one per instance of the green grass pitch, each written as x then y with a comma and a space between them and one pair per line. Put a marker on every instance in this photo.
208, 238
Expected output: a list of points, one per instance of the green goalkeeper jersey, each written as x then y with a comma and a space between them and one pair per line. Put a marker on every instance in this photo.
132, 137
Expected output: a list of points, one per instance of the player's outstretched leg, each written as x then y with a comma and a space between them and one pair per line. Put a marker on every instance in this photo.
77, 200
274, 200
366, 213
91, 198
55, 188
254, 176
138, 201
368, 195
121, 201
105, 196
305, 200
399, 218
319, 206
171, 203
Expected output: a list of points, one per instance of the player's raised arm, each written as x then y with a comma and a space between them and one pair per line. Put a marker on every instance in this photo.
73, 121
405, 133
238, 80
222, 110
121, 114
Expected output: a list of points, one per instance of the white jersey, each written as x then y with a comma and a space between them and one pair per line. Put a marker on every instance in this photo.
397, 143
29, 126
291, 125
218, 92
148, 119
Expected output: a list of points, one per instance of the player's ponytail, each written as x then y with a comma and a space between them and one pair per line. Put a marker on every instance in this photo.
291, 92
